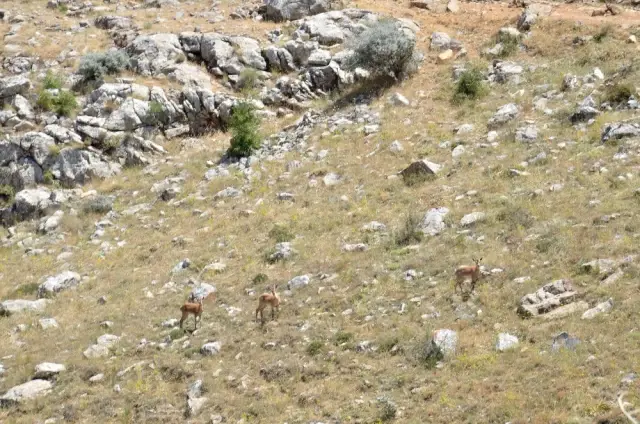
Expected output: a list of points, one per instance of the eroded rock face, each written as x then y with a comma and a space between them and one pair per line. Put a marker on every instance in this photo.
291, 10
549, 297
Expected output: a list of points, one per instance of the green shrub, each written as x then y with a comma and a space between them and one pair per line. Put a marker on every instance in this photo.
7, 194
604, 32
260, 278
244, 126
281, 233
408, 233
314, 347
342, 337
427, 353
470, 86
52, 81
619, 93
47, 177
510, 44
45, 100
383, 50
95, 66
248, 79
65, 103
176, 333
157, 113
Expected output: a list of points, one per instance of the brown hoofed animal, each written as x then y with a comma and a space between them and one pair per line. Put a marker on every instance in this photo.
191, 308
468, 272
272, 299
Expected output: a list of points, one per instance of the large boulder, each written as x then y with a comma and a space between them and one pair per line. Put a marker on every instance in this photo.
150, 54
531, 14
9, 307
335, 27
10, 86
114, 22
433, 222
73, 166
32, 203
546, 299
620, 130
231, 54
38, 145
291, 10
57, 283
419, 170
503, 115
25, 392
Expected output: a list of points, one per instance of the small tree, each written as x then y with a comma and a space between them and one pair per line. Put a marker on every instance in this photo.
384, 50
244, 126
470, 86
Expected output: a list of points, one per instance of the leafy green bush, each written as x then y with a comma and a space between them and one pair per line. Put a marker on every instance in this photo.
314, 347
63, 104
470, 86
244, 126
510, 44
52, 81
7, 194
383, 50
95, 66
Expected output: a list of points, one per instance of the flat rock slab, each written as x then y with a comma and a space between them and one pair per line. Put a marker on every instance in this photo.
24, 392
549, 297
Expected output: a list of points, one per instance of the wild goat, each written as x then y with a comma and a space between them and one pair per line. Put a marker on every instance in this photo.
271, 299
467, 272
192, 308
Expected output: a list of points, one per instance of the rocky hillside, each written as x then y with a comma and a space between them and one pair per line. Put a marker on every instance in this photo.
354, 154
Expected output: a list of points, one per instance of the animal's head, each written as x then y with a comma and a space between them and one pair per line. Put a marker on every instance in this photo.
274, 288
477, 261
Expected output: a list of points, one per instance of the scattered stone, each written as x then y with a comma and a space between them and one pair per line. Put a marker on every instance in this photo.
48, 370
472, 219
211, 349
504, 114
564, 341
298, 282
420, 170
55, 284
283, 251
398, 99
506, 341
358, 247
433, 222
9, 307
446, 340
374, 227
601, 308
46, 323
527, 134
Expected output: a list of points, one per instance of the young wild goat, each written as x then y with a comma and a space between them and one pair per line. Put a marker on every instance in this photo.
468, 272
192, 308
271, 299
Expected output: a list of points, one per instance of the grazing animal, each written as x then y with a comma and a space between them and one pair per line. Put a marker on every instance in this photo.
272, 299
468, 272
191, 308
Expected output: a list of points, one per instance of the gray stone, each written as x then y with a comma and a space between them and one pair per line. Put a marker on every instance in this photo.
57, 283
25, 392
433, 222
47, 323
150, 54
319, 58
51, 223
31, 203
290, 10
47, 370
61, 134
398, 99
74, 166
10, 86
440, 41
374, 227
9, 307
334, 27
506, 341
504, 114
298, 282
446, 340
472, 219
549, 297
283, 251
620, 130
564, 341
201, 292
600, 308
211, 349
527, 134
420, 170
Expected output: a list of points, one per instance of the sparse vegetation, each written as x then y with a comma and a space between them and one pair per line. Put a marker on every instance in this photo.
64, 103
470, 86
603, 33
248, 79
408, 233
619, 93
244, 129
52, 81
7, 194
280, 233
95, 66
384, 50
315, 347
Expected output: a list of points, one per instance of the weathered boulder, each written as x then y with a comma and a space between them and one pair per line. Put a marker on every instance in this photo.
504, 114
505, 342
620, 130
201, 292
10, 86
420, 170
150, 54
9, 307
291, 10
446, 340
433, 222
25, 392
549, 297
32, 203
74, 166
334, 27
231, 54
531, 14
279, 58
211, 349
47, 370
57, 283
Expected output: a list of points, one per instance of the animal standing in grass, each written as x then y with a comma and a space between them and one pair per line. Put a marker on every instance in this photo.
468, 272
192, 308
272, 299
